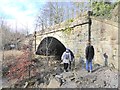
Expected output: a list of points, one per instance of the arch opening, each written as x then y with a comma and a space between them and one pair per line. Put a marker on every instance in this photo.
51, 46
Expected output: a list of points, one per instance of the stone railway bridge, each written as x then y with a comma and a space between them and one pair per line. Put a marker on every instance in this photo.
74, 35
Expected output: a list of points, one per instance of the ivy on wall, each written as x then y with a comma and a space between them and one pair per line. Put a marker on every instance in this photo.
102, 9
67, 30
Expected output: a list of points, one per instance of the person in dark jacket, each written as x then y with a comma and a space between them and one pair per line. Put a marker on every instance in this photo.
89, 52
72, 61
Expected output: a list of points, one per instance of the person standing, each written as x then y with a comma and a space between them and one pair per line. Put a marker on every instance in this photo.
89, 52
66, 58
105, 59
72, 61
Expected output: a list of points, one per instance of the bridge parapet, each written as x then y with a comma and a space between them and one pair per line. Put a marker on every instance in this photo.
104, 37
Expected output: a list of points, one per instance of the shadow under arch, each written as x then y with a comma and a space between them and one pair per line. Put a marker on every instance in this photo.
50, 46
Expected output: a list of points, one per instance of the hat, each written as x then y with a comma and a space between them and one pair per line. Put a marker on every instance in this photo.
67, 50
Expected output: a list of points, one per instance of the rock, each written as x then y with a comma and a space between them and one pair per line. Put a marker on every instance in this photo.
42, 70
105, 83
93, 80
60, 79
69, 85
40, 80
59, 76
41, 85
63, 81
81, 77
54, 83
26, 84
59, 70
61, 63
100, 83
31, 83
68, 75
72, 79
36, 84
77, 81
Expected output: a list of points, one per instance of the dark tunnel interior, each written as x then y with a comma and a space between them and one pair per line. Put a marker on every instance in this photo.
50, 46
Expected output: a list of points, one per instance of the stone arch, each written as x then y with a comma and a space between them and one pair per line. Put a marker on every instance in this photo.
50, 46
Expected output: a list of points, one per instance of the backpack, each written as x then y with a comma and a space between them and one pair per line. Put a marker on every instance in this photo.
67, 56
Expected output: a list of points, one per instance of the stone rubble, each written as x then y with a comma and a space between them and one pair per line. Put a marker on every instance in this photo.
55, 77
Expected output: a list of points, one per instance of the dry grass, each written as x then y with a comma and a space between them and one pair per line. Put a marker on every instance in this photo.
10, 55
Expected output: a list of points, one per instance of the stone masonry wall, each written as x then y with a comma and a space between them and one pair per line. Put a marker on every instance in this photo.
104, 37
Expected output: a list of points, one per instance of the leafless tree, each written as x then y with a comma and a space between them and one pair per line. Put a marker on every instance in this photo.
9, 36
52, 13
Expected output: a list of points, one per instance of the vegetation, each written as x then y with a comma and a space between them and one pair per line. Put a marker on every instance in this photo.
8, 36
70, 20
68, 30
56, 12
102, 9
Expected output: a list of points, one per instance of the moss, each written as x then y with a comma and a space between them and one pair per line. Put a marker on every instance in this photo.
67, 30
70, 20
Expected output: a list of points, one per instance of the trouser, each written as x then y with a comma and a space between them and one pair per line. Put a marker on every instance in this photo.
89, 65
70, 65
65, 66
106, 63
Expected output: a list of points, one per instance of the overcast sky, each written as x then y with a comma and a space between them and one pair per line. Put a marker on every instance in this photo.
22, 12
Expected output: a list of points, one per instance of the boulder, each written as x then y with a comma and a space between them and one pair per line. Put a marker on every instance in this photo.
68, 75
69, 85
59, 76
54, 83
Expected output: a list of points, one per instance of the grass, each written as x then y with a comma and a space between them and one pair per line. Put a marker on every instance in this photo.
10, 55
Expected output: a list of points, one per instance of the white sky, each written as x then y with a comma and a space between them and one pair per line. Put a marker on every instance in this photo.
22, 12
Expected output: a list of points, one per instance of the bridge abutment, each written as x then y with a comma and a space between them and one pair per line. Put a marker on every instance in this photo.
104, 38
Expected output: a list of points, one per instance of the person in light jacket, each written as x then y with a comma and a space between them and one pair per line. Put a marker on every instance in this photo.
66, 58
